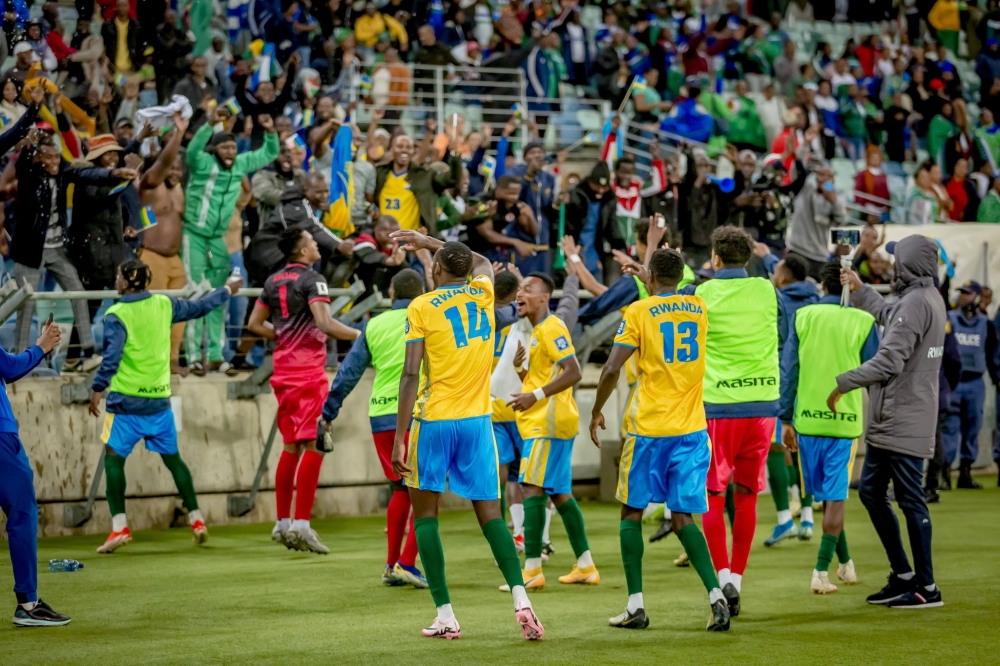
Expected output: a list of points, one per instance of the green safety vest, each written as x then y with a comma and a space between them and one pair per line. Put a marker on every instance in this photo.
685, 281
387, 345
144, 371
830, 342
741, 355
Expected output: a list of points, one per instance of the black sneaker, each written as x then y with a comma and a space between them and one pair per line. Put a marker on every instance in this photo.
946, 478
548, 548
662, 532
41, 615
732, 599
919, 598
719, 619
931, 496
627, 620
894, 589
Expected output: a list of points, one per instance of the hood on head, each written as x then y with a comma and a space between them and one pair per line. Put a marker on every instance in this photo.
916, 260
800, 291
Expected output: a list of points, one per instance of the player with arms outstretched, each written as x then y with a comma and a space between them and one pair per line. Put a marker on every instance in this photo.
663, 459
297, 302
450, 333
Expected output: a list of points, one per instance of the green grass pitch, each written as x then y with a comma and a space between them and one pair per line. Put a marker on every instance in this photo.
244, 600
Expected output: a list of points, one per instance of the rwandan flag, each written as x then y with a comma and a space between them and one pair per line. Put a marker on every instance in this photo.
342, 179
147, 218
266, 64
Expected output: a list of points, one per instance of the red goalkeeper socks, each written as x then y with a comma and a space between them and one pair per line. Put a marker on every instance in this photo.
396, 517
743, 529
408, 558
284, 484
306, 480
714, 525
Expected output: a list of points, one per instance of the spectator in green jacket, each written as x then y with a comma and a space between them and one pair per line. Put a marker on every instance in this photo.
215, 179
746, 131
989, 209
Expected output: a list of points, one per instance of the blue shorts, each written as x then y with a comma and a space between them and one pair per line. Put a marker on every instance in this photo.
826, 466
665, 469
461, 453
123, 431
509, 441
548, 464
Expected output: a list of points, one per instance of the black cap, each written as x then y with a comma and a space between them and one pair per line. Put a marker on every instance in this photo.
601, 174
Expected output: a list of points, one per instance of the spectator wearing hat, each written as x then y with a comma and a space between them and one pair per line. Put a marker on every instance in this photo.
43, 53
590, 211
977, 345
24, 55
121, 39
214, 184
97, 234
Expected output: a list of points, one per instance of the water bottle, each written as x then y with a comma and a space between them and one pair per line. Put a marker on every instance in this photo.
59, 565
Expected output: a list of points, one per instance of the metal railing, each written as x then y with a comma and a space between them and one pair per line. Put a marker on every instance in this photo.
479, 96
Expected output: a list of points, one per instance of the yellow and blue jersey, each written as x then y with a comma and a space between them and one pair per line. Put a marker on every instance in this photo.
456, 326
668, 334
555, 416
397, 199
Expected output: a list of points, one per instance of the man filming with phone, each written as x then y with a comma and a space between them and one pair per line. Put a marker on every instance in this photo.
818, 208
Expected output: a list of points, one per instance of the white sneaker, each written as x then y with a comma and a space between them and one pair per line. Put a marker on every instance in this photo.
307, 540
92, 363
280, 536
821, 583
443, 629
846, 573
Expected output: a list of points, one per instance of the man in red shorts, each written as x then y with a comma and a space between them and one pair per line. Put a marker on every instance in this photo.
294, 309
741, 398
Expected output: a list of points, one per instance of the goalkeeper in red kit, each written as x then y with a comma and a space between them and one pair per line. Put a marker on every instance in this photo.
294, 309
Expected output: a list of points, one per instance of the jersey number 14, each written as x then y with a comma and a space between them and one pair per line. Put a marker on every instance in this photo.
478, 327
682, 346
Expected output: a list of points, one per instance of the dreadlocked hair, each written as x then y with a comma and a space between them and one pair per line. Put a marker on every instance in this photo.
137, 274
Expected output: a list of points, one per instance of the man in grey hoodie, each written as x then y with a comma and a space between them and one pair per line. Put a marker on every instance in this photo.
902, 380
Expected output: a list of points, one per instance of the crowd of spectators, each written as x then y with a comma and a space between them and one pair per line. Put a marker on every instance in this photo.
192, 136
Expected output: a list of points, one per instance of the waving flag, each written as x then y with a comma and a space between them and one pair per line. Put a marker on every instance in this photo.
342, 178
639, 84
147, 218
488, 166
265, 63
310, 87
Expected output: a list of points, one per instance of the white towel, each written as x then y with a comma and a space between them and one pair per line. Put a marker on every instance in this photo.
505, 382
162, 116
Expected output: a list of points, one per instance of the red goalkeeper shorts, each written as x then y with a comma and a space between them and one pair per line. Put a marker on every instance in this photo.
300, 404
739, 450
383, 446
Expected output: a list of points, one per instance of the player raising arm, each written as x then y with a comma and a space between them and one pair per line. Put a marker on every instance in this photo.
450, 331
663, 459
297, 301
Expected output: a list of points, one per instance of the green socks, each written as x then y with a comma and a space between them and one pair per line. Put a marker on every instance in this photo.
114, 470
630, 535
534, 525
503, 499
182, 478
842, 553
432, 557
572, 519
777, 473
697, 551
504, 551
826, 549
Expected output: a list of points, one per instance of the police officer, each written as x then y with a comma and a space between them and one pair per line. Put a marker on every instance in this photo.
977, 344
